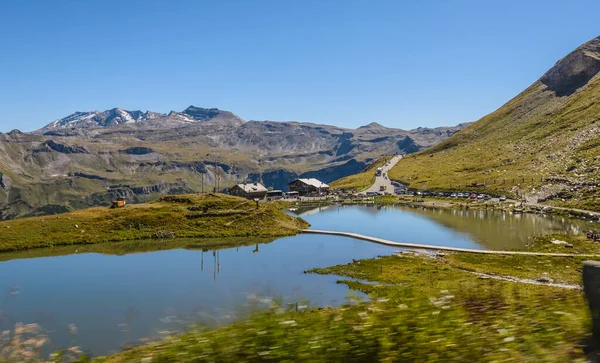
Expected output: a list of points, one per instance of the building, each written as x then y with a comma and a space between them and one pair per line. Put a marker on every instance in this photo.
118, 203
308, 186
249, 190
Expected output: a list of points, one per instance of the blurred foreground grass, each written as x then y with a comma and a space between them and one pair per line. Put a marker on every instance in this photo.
423, 308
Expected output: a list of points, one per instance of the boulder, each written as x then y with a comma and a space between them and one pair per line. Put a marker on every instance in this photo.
559, 242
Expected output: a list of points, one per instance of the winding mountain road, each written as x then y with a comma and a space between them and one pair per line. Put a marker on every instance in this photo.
384, 180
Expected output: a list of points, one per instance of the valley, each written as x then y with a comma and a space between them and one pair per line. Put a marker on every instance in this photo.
89, 158
141, 236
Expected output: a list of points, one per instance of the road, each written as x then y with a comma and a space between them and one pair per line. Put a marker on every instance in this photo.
381, 180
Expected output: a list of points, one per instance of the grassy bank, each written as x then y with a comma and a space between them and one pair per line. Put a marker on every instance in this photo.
422, 309
182, 216
363, 180
136, 246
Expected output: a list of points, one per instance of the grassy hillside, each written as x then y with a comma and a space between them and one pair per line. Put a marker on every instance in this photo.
544, 143
363, 180
183, 216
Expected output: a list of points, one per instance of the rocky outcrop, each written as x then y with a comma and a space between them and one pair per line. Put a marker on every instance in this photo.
87, 176
138, 150
5, 182
201, 114
65, 149
575, 70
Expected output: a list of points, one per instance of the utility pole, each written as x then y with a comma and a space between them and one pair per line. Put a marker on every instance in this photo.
216, 177
206, 169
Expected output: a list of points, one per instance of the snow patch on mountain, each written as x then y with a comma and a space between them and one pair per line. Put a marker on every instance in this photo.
119, 116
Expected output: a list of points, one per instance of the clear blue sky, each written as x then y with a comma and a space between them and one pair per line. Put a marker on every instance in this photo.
401, 63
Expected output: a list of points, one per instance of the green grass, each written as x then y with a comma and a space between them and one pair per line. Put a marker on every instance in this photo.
183, 216
565, 270
423, 309
363, 180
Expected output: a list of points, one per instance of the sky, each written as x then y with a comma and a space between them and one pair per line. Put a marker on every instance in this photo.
401, 63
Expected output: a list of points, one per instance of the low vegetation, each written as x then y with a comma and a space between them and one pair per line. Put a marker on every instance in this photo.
363, 180
182, 216
422, 308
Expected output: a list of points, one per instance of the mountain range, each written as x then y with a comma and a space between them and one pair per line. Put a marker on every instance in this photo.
543, 145
89, 158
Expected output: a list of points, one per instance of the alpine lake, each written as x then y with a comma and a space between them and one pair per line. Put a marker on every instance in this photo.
104, 298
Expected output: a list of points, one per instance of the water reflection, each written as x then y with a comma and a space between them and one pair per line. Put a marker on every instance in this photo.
459, 228
116, 294
117, 300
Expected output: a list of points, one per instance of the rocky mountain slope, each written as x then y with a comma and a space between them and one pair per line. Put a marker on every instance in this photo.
138, 119
543, 144
89, 158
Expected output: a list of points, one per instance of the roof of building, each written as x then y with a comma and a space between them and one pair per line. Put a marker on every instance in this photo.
313, 182
252, 187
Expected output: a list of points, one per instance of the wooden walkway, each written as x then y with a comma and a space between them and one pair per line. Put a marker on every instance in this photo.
440, 248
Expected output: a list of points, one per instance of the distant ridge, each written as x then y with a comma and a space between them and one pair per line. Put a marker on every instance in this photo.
117, 116
89, 158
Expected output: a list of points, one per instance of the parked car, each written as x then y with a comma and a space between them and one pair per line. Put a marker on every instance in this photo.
481, 196
453, 195
503, 198
473, 196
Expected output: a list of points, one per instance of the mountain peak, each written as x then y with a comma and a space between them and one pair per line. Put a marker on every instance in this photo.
118, 116
372, 125
201, 114
575, 70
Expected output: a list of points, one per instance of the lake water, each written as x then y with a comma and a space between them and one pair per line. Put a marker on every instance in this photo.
479, 229
116, 300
